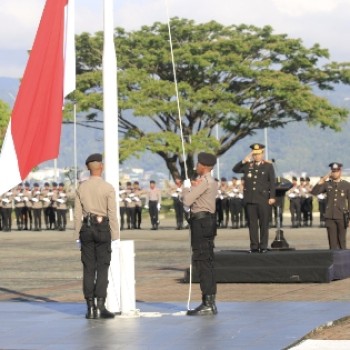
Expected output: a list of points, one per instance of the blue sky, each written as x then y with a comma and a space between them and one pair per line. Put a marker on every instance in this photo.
323, 21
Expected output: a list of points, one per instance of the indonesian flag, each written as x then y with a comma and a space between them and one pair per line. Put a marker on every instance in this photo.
34, 131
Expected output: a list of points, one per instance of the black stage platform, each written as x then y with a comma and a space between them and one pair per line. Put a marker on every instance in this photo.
290, 266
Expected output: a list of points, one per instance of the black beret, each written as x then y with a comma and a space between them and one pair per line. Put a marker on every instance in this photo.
27, 184
36, 184
223, 179
234, 178
302, 179
257, 148
335, 166
96, 157
61, 184
294, 178
54, 184
206, 159
46, 184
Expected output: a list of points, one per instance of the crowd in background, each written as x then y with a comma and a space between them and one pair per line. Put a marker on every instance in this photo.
36, 207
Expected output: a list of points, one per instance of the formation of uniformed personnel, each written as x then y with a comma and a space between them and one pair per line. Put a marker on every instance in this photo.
96, 226
294, 203
37, 206
306, 201
259, 195
61, 198
6, 211
223, 204
49, 214
176, 195
153, 201
19, 206
236, 203
337, 205
138, 192
322, 202
200, 196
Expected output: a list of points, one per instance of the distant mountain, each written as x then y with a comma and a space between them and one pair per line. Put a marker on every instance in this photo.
296, 149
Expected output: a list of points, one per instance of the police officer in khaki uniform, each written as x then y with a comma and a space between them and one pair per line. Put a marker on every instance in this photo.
95, 203
259, 195
338, 202
200, 197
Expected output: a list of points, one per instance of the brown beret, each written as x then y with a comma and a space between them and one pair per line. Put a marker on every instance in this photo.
206, 159
96, 157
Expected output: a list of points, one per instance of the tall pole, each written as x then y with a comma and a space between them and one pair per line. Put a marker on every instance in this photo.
121, 286
110, 101
266, 144
75, 146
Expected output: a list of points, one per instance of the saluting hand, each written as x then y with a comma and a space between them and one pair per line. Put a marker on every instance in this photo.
248, 157
272, 201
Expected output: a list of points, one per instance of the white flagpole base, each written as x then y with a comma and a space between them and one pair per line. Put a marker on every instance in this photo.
127, 264
121, 277
113, 290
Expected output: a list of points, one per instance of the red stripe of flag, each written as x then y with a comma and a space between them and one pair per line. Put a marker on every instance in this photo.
37, 114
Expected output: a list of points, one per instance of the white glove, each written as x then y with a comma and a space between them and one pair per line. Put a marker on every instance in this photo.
175, 195
158, 206
78, 243
179, 190
35, 199
187, 183
187, 209
128, 200
46, 200
146, 206
58, 200
115, 244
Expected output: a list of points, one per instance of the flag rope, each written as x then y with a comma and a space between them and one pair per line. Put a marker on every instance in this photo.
182, 143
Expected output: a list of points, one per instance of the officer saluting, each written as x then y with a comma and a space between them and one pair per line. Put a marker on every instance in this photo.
337, 204
258, 194
200, 197
95, 202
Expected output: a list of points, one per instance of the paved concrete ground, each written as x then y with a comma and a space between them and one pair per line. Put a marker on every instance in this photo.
45, 267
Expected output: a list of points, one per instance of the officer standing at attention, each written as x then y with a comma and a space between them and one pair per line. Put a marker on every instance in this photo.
95, 203
259, 195
338, 203
200, 197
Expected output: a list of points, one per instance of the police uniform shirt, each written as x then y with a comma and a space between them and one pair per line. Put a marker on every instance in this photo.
154, 194
202, 196
338, 197
96, 196
259, 181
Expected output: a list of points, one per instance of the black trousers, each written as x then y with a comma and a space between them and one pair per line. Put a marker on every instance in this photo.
19, 217
6, 218
96, 257
336, 234
179, 212
153, 212
37, 217
236, 209
203, 232
62, 218
130, 217
295, 210
138, 217
258, 218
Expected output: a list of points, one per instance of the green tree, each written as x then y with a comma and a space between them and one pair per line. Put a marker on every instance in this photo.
239, 77
5, 113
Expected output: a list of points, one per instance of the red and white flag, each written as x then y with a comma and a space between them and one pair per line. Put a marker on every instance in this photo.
34, 131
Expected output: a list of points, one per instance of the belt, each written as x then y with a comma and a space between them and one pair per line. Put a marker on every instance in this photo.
201, 215
95, 219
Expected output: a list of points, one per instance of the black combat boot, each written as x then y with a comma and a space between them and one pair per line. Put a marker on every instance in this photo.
207, 307
101, 311
91, 308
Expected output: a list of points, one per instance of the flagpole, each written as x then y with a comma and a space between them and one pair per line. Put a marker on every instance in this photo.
121, 289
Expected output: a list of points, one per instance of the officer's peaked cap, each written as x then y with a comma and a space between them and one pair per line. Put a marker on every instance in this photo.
257, 148
95, 157
335, 166
206, 159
